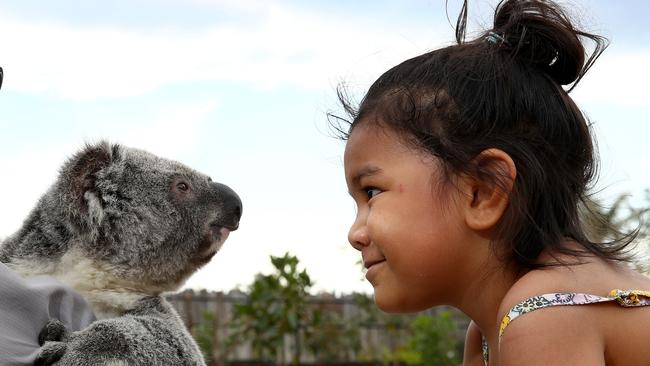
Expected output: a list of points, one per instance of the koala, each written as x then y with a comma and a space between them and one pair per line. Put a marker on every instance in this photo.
122, 227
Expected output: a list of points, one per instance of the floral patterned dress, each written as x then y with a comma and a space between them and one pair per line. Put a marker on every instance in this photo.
625, 298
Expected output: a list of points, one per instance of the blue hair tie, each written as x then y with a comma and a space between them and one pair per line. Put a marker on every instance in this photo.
495, 38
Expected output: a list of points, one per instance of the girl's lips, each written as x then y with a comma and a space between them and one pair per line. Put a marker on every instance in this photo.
373, 268
370, 263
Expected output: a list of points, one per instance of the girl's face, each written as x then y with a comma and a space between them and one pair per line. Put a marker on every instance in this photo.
409, 225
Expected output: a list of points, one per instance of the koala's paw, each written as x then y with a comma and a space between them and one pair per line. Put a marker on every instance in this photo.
50, 353
53, 341
53, 331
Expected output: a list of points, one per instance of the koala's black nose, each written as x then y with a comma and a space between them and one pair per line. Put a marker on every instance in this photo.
231, 206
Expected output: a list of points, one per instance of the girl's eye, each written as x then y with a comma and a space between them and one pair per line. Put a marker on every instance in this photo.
372, 192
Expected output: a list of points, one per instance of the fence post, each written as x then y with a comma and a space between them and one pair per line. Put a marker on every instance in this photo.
187, 306
216, 344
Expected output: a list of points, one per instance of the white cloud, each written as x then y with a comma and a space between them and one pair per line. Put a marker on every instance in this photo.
284, 47
617, 78
175, 130
20, 189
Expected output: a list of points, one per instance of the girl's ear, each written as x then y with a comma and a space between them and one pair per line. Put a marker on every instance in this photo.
488, 189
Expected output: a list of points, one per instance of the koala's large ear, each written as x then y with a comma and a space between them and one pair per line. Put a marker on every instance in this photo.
79, 178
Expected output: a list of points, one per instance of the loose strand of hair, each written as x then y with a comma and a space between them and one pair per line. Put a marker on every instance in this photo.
601, 44
461, 23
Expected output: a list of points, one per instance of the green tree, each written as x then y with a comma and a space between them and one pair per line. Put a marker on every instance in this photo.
276, 308
204, 335
393, 329
330, 338
606, 222
617, 221
433, 341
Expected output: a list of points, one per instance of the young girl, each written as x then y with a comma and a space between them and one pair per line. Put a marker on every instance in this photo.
467, 165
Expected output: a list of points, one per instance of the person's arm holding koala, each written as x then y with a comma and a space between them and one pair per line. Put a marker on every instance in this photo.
26, 305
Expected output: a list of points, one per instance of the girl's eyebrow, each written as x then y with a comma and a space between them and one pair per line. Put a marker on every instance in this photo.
366, 171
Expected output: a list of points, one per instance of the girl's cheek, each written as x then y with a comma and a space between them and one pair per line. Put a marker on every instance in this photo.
378, 221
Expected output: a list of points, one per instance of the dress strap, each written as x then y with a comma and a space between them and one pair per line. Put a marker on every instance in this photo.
485, 350
625, 298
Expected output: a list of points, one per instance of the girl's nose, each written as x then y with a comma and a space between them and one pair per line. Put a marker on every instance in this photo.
358, 235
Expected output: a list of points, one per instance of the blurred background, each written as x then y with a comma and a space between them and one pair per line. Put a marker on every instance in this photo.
240, 90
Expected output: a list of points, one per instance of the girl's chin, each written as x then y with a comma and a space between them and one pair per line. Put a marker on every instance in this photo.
391, 302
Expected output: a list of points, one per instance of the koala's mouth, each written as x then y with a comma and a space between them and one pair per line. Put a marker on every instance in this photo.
215, 238
216, 234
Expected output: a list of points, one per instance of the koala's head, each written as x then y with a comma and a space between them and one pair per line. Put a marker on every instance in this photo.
147, 219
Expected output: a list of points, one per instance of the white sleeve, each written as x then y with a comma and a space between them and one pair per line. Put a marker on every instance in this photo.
26, 305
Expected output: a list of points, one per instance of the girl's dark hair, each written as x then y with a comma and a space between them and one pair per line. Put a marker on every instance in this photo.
504, 90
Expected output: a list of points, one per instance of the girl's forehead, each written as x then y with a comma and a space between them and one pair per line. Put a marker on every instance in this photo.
371, 139
366, 141
371, 146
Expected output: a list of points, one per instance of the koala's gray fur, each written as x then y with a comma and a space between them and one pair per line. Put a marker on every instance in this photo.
123, 226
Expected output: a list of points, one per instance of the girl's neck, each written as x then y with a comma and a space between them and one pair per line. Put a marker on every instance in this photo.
492, 280
484, 294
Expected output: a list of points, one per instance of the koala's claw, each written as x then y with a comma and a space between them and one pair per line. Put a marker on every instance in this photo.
50, 353
53, 331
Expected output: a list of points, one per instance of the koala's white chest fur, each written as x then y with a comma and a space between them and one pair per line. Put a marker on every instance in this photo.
107, 295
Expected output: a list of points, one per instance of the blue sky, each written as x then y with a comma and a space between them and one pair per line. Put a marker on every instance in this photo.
239, 90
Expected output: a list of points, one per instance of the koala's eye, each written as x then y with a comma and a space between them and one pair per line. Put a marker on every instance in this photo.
182, 186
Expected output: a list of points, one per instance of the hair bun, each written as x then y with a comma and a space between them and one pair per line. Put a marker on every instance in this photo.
540, 33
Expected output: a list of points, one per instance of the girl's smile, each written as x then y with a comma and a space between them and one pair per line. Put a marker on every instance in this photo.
372, 262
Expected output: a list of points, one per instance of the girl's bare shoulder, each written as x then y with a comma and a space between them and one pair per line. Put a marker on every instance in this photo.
604, 330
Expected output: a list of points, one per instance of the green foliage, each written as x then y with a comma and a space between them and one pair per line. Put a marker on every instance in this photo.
617, 221
394, 329
612, 222
276, 307
330, 338
204, 335
433, 339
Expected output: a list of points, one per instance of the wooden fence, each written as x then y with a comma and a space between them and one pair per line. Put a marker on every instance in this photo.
197, 308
